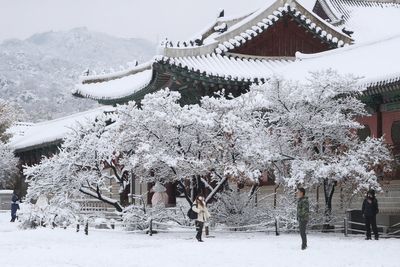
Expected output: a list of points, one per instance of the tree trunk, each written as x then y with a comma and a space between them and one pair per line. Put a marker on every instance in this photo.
124, 196
216, 189
187, 197
329, 189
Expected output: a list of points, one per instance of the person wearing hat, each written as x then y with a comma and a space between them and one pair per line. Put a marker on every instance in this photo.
369, 211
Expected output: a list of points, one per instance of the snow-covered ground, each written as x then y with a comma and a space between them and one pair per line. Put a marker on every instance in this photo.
46, 247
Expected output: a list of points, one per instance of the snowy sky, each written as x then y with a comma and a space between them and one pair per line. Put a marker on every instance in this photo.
150, 19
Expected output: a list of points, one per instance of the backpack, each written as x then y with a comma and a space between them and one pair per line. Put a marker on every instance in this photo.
192, 214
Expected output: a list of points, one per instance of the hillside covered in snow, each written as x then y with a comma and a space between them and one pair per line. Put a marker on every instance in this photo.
38, 73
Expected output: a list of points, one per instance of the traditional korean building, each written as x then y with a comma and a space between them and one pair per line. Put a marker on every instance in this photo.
230, 54
32, 141
285, 37
375, 63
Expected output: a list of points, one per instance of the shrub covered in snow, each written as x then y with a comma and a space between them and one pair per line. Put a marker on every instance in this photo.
286, 212
238, 208
48, 215
137, 217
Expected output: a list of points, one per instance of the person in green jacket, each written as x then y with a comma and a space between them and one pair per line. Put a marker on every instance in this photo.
303, 212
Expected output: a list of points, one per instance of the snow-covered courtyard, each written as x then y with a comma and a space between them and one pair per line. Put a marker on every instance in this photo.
58, 247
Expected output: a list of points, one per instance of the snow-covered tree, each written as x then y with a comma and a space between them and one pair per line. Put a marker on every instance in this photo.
161, 141
80, 167
204, 144
243, 146
306, 131
8, 162
314, 124
8, 115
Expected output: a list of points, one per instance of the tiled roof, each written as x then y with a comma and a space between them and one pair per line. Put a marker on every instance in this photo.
240, 35
213, 58
114, 88
343, 9
27, 136
374, 63
228, 67
250, 26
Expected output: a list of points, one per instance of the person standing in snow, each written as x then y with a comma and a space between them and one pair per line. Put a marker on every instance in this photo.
303, 212
199, 206
369, 211
14, 207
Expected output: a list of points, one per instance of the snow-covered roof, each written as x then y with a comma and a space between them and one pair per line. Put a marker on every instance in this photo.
252, 25
115, 75
344, 9
375, 62
374, 23
115, 88
367, 19
228, 67
265, 17
213, 57
27, 136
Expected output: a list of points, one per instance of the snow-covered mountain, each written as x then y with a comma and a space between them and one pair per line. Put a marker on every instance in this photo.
38, 73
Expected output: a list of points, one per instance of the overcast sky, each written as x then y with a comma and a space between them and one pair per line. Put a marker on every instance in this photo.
150, 19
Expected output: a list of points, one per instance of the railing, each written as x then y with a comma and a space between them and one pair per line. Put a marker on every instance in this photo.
268, 227
93, 206
5, 205
385, 229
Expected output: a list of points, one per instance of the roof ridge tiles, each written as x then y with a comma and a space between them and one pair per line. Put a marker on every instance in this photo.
248, 27
274, 16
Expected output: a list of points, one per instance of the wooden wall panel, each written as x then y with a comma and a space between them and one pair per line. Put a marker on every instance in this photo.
283, 39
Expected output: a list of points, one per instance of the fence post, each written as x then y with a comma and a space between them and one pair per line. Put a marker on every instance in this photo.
276, 226
87, 228
207, 230
346, 227
77, 227
151, 227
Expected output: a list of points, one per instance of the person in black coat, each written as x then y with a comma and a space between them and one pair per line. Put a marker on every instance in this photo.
369, 211
14, 207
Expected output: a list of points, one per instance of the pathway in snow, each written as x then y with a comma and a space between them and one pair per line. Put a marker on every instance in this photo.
46, 247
